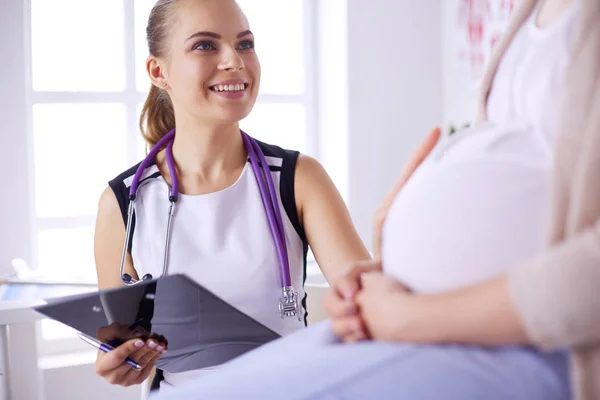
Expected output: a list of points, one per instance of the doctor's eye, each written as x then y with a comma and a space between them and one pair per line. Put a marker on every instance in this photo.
246, 45
204, 46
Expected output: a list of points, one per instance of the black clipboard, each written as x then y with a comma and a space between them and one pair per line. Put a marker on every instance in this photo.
202, 329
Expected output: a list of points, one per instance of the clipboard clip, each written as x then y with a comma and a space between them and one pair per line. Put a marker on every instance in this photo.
288, 304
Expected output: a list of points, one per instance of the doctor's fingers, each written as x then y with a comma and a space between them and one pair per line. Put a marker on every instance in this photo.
115, 358
135, 377
146, 370
147, 354
114, 331
348, 327
129, 376
348, 285
124, 375
337, 307
355, 337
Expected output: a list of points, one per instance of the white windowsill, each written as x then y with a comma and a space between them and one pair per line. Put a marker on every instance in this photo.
69, 359
314, 276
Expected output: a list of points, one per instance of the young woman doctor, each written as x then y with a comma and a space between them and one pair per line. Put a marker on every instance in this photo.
205, 78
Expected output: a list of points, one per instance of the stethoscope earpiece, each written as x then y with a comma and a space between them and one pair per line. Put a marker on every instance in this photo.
128, 280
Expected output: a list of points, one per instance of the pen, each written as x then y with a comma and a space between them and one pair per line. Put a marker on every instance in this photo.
105, 348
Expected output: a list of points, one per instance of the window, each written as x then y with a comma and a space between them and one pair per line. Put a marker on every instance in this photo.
87, 85
81, 113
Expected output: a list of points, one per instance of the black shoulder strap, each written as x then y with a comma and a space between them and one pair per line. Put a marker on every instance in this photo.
121, 191
286, 186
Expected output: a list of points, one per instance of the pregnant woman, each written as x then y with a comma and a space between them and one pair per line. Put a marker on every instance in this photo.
478, 295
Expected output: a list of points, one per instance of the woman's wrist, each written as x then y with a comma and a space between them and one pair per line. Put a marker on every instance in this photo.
421, 318
479, 315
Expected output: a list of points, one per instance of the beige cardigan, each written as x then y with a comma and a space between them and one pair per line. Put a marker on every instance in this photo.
557, 294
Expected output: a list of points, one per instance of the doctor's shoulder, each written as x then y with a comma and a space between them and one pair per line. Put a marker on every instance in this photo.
301, 175
109, 234
322, 214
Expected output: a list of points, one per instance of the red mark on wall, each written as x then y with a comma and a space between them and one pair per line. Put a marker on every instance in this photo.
474, 15
507, 5
481, 23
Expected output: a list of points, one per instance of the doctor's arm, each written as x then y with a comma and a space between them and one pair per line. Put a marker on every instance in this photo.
108, 245
549, 301
326, 220
109, 237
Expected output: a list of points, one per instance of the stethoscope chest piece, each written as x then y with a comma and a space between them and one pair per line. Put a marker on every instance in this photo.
289, 305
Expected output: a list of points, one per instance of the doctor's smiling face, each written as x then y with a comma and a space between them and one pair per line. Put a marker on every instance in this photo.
202, 54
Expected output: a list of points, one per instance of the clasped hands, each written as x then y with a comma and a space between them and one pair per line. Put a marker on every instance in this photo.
366, 304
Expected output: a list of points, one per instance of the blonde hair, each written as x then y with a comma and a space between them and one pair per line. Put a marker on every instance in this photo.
157, 116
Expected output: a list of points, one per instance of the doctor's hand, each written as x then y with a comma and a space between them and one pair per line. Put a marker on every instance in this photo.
413, 163
340, 304
140, 348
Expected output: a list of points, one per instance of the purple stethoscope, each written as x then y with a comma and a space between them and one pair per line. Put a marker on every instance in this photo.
288, 303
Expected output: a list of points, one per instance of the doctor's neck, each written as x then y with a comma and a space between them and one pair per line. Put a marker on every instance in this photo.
205, 151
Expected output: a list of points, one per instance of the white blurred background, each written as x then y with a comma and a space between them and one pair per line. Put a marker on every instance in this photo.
354, 83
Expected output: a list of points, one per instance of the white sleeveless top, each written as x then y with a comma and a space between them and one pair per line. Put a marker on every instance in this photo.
478, 203
222, 240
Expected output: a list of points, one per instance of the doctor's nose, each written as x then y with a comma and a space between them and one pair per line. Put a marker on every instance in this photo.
231, 61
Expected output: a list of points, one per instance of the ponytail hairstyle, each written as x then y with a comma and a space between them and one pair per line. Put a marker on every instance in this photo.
157, 116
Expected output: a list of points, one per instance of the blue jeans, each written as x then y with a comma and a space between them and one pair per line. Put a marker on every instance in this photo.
312, 364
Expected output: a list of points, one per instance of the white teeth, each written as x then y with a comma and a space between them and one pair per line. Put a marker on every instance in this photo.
229, 88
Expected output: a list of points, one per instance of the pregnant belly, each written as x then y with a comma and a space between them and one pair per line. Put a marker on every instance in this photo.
458, 224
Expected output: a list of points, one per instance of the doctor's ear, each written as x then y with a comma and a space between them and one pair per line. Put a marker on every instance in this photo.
155, 70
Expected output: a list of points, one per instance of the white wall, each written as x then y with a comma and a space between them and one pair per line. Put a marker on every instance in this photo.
458, 91
79, 381
14, 195
394, 94
461, 76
